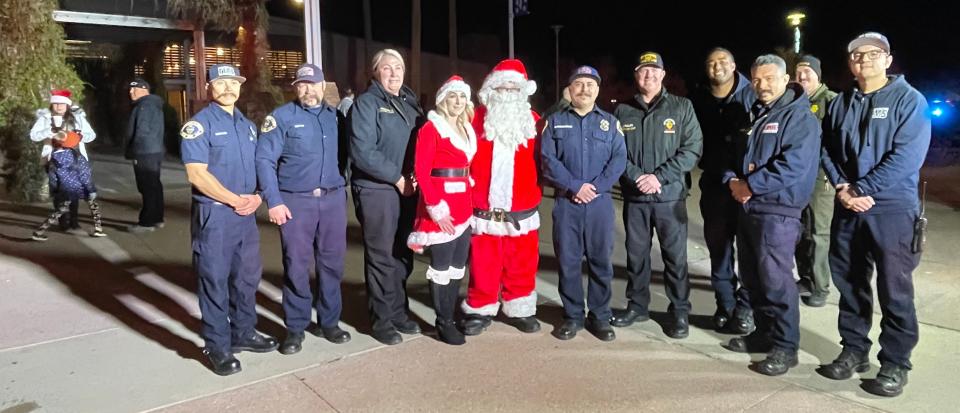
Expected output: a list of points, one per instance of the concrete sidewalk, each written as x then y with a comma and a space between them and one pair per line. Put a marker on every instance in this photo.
103, 325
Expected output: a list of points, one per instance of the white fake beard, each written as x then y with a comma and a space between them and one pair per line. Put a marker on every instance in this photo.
508, 119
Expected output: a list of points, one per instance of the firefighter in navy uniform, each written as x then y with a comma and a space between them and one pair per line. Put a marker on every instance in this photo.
218, 146
583, 154
771, 176
875, 140
663, 142
301, 183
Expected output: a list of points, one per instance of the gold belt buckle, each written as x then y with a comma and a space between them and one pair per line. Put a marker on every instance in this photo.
499, 215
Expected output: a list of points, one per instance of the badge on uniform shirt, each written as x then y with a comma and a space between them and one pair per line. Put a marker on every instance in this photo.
191, 130
668, 126
773, 127
751, 167
604, 125
814, 108
268, 125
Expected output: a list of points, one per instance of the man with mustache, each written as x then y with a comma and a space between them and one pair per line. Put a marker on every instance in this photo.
875, 139
300, 181
583, 156
722, 105
772, 176
505, 245
217, 148
663, 141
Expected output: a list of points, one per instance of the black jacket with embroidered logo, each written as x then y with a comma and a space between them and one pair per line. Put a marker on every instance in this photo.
663, 138
382, 130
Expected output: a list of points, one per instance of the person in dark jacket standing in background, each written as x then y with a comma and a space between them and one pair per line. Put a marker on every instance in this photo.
772, 176
382, 122
875, 140
814, 246
723, 109
663, 141
144, 145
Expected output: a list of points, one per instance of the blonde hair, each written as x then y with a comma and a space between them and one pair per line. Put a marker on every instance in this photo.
465, 118
384, 53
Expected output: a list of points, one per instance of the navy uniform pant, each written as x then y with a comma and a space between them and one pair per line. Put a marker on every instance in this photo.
858, 244
386, 219
765, 247
578, 230
315, 236
720, 211
226, 259
669, 219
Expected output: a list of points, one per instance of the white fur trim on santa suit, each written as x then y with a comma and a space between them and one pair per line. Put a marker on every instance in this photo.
444, 277
416, 241
521, 307
489, 310
501, 77
487, 227
60, 99
439, 211
446, 131
501, 176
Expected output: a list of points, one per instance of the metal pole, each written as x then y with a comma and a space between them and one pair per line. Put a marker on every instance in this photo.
415, 43
200, 63
452, 34
510, 24
311, 28
556, 50
796, 39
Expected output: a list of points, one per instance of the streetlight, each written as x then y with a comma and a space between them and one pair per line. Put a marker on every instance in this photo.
794, 19
556, 38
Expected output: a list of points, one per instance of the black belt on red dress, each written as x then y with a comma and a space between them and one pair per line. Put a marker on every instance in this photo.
501, 215
450, 172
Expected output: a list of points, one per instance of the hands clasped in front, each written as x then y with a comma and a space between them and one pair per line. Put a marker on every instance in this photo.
849, 199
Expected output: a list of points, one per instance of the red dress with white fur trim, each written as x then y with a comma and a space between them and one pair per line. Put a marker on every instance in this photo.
440, 147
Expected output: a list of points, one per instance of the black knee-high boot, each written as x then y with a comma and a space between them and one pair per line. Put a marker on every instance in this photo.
445, 303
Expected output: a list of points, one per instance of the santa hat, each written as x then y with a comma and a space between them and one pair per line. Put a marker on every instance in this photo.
60, 96
453, 84
510, 70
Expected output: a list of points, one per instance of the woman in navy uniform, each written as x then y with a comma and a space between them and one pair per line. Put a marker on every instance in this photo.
381, 123
217, 148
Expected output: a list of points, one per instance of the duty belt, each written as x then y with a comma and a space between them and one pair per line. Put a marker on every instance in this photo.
450, 172
319, 192
501, 215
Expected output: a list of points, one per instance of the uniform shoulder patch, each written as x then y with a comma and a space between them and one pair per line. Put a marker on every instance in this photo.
619, 129
546, 124
191, 130
268, 125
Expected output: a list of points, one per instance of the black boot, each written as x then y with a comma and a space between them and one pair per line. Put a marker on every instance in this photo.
444, 304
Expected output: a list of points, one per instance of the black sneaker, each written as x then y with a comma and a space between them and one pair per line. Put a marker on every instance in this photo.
815, 299
847, 362
39, 237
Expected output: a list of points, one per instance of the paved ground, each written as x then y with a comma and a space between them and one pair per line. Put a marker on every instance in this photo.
103, 325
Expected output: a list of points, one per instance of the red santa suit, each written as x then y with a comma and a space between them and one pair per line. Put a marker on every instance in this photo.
439, 147
506, 194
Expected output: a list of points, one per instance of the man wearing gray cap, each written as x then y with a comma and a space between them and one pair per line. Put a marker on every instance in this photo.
144, 146
301, 183
814, 245
663, 142
875, 138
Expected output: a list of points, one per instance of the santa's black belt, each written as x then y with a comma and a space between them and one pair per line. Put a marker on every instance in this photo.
450, 172
501, 215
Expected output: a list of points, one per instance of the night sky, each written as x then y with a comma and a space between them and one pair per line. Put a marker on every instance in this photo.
611, 34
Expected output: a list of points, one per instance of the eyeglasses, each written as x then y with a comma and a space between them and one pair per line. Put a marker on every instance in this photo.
873, 55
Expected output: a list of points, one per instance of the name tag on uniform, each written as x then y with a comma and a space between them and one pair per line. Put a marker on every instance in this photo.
385, 110
771, 128
880, 113
629, 127
298, 126
220, 133
562, 126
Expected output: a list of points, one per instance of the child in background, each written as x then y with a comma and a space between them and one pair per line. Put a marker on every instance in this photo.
70, 180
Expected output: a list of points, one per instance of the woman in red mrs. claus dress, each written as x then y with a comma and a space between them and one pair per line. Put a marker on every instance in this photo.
445, 146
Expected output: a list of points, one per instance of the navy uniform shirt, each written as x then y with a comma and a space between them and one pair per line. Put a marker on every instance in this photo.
297, 151
582, 149
225, 143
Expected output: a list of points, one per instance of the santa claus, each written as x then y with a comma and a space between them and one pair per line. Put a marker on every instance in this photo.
506, 193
